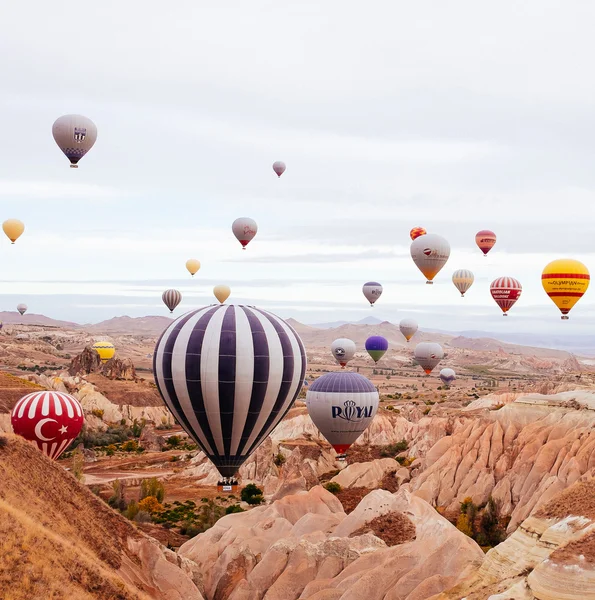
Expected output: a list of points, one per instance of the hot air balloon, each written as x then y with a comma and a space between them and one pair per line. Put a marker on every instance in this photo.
279, 167
222, 292
376, 346
244, 229
50, 419
1, 325
229, 374
193, 266
565, 281
408, 328
506, 291
372, 291
430, 253
22, 308
463, 280
106, 350
447, 376
416, 232
428, 355
13, 228
485, 239
171, 299
75, 136
343, 350
342, 404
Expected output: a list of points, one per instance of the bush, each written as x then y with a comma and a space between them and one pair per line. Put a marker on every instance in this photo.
152, 487
132, 510
117, 499
130, 446
142, 517
279, 459
190, 529
333, 487
110, 450
137, 428
3, 441
97, 412
464, 525
255, 500
250, 491
393, 449
234, 508
173, 441
78, 464
150, 504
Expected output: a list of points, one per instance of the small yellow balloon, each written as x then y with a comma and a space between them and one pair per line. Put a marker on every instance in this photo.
222, 292
106, 350
192, 265
13, 228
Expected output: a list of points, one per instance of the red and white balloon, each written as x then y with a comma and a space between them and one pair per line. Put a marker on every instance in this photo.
50, 419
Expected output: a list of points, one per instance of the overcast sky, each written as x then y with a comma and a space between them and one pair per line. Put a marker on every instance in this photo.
455, 116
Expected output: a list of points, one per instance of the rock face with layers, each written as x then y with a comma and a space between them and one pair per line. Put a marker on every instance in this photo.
303, 546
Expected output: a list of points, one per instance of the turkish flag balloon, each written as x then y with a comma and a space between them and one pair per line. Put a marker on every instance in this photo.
50, 419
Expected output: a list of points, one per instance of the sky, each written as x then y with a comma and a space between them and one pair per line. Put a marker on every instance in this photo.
455, 116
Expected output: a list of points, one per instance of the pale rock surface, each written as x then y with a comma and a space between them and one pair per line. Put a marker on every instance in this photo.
366, 474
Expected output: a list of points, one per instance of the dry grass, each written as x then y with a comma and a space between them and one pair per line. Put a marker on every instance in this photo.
394, 528
57, 540
578, 499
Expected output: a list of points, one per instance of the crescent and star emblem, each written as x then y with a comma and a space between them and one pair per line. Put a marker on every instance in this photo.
39, 426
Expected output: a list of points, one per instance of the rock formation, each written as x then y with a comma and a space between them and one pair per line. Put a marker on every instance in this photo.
86, 362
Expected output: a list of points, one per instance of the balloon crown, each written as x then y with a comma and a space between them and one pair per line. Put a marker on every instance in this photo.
349, 403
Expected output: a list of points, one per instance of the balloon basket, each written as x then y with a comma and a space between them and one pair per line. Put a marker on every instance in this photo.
504, 314
429, 282
565, 317
342, 457
74, 166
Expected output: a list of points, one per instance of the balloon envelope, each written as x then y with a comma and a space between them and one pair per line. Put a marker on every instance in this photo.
416, 232
279, 167
343, 350
342, 404
376, 346
229, 374
75, 136
171, 299
565, 281
408, 328
506, 291
463, 280
193, 266
222, 292
50, 419
22, 308
447, 376
372, 291
430, 253
13, 228
106, 350
428, 355
485, 240
244, 229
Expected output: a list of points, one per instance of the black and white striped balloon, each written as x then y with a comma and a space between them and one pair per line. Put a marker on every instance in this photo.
229, 374
171, 299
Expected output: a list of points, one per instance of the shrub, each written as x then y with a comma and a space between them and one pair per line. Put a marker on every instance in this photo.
174, 459
255, 500
249, 491
333, 487
3, 441
142, 517
150, 504
279, 459
190, 529
152, 487
111, 450
97, 412
464, 525
130, 446
427, 410
132, 510
173, 441
117, 499
78, 464
234, 508
393, 449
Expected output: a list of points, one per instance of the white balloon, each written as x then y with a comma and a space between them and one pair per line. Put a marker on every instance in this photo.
75, 136
244, 229
408, 328
430, 253
428, 355
343, 350
463, 280
372, 291
447, 376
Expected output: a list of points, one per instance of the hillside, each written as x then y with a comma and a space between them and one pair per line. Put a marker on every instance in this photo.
60, 541
9, 317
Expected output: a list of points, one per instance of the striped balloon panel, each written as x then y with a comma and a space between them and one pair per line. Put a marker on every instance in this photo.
463, 280
50, 419
506, 291
342, 404
171, 299
229, 374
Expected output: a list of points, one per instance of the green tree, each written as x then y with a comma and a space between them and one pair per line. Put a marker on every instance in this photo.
251, 491
333, 487
117, 499
152, 487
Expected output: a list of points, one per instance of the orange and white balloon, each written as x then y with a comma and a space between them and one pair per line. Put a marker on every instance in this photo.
416, 232
430, 253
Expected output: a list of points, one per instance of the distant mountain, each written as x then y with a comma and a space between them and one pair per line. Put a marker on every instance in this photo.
366, 321
14, 318
151, 325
